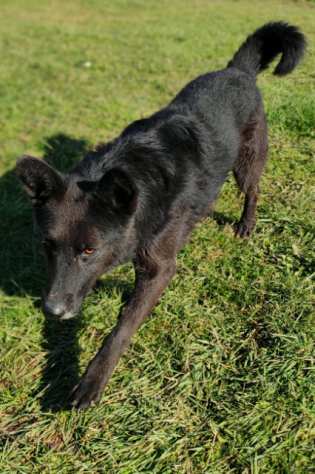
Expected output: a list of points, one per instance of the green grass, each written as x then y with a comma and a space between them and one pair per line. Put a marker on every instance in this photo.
221, 378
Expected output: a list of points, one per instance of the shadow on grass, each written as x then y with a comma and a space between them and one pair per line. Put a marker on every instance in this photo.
61, 370
222, 219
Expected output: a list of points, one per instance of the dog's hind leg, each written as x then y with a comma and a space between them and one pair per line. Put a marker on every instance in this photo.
248, 169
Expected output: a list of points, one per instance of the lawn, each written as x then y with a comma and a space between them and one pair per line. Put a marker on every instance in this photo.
220, 379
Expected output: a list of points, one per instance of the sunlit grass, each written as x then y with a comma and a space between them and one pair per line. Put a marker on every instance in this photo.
221, 378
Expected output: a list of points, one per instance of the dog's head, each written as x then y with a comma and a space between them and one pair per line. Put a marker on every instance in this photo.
86, 228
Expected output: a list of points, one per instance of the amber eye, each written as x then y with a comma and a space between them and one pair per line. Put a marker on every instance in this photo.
88, 251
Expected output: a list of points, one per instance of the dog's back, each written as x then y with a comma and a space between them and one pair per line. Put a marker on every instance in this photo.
215, 124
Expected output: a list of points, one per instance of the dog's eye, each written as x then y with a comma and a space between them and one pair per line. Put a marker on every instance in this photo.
88, 251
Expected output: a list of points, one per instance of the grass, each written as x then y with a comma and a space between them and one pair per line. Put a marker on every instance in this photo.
221, 378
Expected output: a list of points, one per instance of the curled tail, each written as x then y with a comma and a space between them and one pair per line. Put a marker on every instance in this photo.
260, 48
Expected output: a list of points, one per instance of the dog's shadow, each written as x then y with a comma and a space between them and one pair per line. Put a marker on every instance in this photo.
21, 273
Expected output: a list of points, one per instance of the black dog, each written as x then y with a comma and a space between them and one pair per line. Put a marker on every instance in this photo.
138, 197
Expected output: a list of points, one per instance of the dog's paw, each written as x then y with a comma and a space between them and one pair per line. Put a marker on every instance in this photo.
87, 393
244, 229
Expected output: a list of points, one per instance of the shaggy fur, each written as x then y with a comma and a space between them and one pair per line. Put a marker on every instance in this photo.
138, 197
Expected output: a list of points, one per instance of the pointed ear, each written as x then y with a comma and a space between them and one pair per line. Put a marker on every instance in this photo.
115, 188
40, 181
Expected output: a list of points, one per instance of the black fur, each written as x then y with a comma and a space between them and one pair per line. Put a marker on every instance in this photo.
265, 44
138, 197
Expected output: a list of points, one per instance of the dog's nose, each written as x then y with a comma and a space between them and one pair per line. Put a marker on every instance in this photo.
54, 308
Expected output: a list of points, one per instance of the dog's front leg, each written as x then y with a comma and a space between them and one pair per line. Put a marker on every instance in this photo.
151, 280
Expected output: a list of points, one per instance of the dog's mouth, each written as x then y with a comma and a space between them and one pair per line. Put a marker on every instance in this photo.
62, 314
68, 315
59, 309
